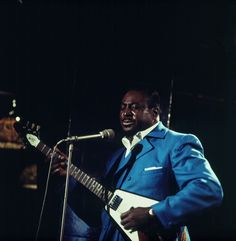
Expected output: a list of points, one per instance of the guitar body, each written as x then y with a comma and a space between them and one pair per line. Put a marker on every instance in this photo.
121, 202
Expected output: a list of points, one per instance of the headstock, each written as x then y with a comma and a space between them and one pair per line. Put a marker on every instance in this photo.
28, 131
32, 139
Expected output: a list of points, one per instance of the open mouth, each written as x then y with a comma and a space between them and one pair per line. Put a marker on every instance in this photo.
127, 123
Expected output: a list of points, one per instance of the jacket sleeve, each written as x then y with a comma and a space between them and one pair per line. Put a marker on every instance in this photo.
199, 188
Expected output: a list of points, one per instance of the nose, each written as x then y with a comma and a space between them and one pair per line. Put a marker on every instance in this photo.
126, 112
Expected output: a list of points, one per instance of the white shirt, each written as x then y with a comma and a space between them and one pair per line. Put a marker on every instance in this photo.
136, 138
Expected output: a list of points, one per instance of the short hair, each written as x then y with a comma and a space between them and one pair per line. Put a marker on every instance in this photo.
153, 97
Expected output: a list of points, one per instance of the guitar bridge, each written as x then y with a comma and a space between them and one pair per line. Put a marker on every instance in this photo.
115, 202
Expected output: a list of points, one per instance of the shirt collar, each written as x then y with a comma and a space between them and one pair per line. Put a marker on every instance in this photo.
142, 134
137, 137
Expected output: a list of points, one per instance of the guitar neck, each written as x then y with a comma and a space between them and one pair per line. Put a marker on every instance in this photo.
89, 182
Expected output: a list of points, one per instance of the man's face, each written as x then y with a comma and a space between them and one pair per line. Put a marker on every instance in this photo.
134, 113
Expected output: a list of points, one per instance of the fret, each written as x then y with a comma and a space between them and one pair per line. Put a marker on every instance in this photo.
81, 177
80, 173
101, 195
44, 146
109, 196
94, 184
87, 178
98, 189
48, 152
93, 188
72, 169
76, 173
82, 180
41, 147
105, 195
89, 182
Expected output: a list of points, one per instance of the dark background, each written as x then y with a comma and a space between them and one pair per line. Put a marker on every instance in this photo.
66, 62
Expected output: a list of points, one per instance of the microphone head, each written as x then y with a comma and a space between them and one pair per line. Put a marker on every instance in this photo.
108, 134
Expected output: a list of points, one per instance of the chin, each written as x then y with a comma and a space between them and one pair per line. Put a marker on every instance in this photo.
129, 131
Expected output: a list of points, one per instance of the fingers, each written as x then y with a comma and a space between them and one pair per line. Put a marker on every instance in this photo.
129, 224
60, 172
125, 215
128, 220
59, 164
58, 168
61, 156
136, 219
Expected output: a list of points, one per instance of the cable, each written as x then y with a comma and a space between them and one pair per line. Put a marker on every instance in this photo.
45, 193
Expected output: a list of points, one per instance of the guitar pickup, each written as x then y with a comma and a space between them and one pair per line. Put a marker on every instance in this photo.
115, 202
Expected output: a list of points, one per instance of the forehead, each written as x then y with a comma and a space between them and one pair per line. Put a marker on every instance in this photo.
134, 96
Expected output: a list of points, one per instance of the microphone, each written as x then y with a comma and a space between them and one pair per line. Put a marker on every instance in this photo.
105, 134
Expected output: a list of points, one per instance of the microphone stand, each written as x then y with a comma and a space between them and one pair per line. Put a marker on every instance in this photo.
69, 160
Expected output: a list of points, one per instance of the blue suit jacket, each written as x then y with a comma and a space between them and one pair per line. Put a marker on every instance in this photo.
172, 169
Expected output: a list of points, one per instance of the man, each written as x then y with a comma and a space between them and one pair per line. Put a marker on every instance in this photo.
160, 164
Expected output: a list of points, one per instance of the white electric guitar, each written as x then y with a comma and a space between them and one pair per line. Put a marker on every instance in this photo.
116, 202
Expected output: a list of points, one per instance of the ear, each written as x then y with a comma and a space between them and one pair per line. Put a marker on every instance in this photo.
155, 111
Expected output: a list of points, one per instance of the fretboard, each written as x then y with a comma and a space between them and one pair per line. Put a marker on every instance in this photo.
89, 182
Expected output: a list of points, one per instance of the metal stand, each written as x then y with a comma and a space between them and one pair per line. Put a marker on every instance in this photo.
71, 148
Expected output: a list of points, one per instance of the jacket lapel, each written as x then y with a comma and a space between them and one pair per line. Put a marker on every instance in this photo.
147, 146
159, 132
123, 162
114, 161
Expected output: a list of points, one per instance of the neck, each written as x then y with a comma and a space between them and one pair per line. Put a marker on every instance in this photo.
130, 138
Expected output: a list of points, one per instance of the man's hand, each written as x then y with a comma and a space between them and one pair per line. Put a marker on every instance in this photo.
59, 164
137, 219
